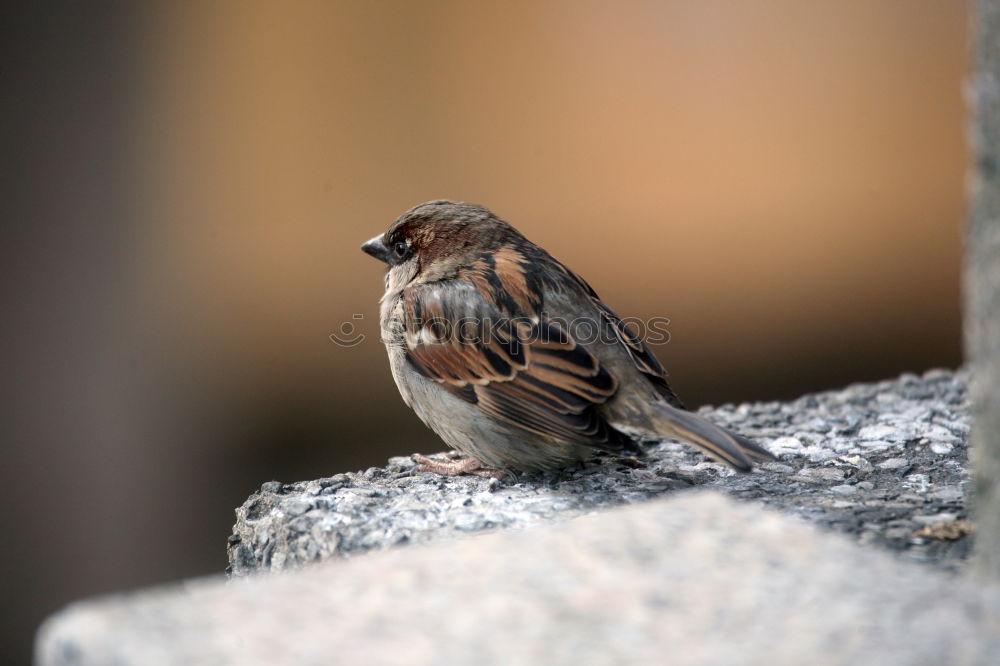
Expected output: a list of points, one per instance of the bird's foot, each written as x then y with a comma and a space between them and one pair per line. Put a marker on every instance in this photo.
468, 465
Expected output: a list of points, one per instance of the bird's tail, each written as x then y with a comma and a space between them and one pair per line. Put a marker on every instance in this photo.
729, 447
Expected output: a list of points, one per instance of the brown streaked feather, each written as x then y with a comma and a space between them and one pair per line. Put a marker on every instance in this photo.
503, 280
641, 355
543, 382
644, 359
509, 265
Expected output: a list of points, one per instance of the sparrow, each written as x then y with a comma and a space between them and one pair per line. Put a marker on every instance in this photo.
513, 359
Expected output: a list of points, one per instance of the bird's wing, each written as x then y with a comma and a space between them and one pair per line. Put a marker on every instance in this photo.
639, 352
524, 369
644, 359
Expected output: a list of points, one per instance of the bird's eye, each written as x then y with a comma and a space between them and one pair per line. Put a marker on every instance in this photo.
400, 249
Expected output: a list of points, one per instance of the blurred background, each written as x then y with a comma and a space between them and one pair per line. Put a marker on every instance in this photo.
189, 182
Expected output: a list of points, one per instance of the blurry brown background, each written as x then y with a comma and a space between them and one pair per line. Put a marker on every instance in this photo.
190, 182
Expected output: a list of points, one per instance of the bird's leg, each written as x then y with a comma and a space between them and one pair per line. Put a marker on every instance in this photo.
468, 465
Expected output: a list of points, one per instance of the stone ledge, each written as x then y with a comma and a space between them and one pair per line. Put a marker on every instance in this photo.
884, 463
693, 579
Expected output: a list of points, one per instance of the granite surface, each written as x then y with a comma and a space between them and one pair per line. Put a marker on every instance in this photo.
669, 558
884, 463
692, 578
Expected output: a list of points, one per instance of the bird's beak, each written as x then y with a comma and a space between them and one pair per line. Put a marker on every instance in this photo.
377, 249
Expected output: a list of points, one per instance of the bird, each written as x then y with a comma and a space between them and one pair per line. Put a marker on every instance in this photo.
513, 359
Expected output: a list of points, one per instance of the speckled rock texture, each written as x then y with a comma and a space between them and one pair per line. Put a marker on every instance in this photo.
981, 286
884, 463
695, 578
676, 566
